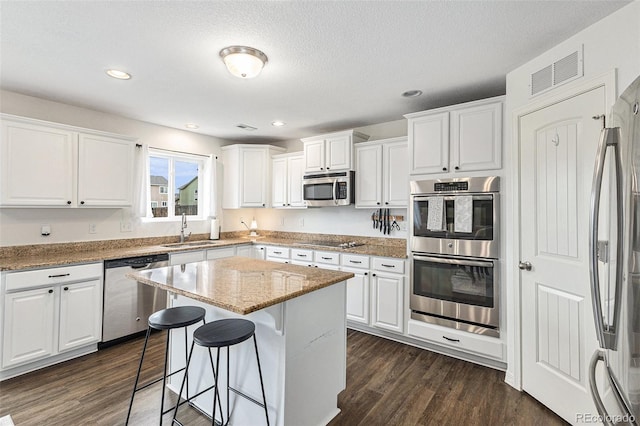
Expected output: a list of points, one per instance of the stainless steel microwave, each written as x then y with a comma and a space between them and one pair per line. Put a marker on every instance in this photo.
329, 189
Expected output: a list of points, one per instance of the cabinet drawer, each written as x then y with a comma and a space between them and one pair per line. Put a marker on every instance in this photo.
355, 261
302, 255
219, 253
456, 339
280, 252
330, 257
388, 265
42, 277
186, 257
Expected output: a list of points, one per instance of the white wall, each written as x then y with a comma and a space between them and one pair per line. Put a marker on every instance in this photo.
612, 43
22, 226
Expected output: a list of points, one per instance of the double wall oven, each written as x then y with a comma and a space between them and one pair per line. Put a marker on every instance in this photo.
454, 240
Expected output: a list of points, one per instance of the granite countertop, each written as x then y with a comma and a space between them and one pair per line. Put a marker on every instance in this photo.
48, 255
239, 284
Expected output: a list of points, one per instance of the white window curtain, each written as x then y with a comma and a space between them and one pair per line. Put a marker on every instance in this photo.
141, 196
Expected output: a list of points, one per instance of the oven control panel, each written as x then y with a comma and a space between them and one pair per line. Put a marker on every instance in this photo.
450, 186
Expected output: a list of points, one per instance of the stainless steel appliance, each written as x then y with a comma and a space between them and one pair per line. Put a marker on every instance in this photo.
481, 237
616, 298
329, 189
454, 240
127, 303
457, 292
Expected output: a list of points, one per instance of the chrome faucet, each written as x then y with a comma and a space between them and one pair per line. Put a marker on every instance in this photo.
182, 228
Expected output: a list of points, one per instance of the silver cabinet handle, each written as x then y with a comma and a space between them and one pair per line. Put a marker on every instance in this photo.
388, 266
525, 266
606, 334
355, 261
301, 255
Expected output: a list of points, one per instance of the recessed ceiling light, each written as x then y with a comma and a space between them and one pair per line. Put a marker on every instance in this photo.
120, 75
191, 126
412, 93
278, 123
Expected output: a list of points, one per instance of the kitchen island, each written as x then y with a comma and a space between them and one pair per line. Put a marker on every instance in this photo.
300, 320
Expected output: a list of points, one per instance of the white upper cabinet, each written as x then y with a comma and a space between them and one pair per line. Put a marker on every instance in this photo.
287, 172
48, 165
330, 152
458, 138
382, 173
247, 175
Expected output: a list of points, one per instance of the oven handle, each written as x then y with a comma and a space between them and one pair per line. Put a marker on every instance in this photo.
474, 197
454, 261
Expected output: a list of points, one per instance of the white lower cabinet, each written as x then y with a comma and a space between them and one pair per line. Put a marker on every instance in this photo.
278, 254
222, 252
358, 295
246, 251
49, 312
387, 300
187, 257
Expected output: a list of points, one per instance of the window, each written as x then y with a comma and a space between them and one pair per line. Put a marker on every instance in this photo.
174, 180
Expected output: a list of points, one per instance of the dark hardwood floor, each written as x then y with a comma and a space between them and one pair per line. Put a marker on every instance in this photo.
387, 383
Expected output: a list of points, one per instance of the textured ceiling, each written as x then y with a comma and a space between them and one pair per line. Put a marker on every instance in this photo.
332, 65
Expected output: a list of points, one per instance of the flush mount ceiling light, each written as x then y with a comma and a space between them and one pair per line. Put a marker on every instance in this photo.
192, 126
412, 93
243, 61
120, 75
278, 123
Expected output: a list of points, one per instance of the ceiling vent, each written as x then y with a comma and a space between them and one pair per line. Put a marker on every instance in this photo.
559, 72
246, 127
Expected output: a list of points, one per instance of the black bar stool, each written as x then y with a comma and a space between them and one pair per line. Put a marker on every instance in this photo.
167, 319
220, 334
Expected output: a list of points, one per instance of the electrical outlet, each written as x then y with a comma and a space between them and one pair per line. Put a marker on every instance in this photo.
45, 230
92, 228
403, 225
125, 226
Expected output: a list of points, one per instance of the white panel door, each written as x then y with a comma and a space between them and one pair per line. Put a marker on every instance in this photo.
295, 175
557, 154
358, 295
476, 138
369, 176
254, 163
388, 301
338, 155
37, 165
396, 174
314, 156
105, 171
80, 314
429, 143
28, 326
279, 183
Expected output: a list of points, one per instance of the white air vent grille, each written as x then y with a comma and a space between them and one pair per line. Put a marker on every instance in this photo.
557, 73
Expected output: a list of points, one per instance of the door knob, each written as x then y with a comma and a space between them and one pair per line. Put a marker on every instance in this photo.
525, 266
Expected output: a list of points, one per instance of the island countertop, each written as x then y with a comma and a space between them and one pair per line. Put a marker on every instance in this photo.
240, 284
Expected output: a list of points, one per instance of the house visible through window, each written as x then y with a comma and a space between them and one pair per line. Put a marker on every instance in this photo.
174, 182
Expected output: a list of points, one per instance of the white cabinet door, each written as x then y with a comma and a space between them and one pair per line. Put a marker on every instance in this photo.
279, 185
187, 257
314, 156
388, 301
338, 153
358, 295
296, 173
254, 173
395, 177
38, 165
28, 326
429, 143
476, 138
80, 314
259, 252
246, 251
105, 171
369, 175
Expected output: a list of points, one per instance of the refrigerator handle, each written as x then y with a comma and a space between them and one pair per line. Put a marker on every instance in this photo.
598, 356
609, 137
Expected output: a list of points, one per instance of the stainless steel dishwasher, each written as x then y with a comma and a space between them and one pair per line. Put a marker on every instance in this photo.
127, 303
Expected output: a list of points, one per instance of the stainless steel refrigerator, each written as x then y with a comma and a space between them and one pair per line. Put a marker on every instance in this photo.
615, 263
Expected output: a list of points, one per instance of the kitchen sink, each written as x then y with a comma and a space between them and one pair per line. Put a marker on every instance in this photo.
191, 244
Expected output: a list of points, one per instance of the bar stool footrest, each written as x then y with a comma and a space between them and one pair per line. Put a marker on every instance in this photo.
237, 392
